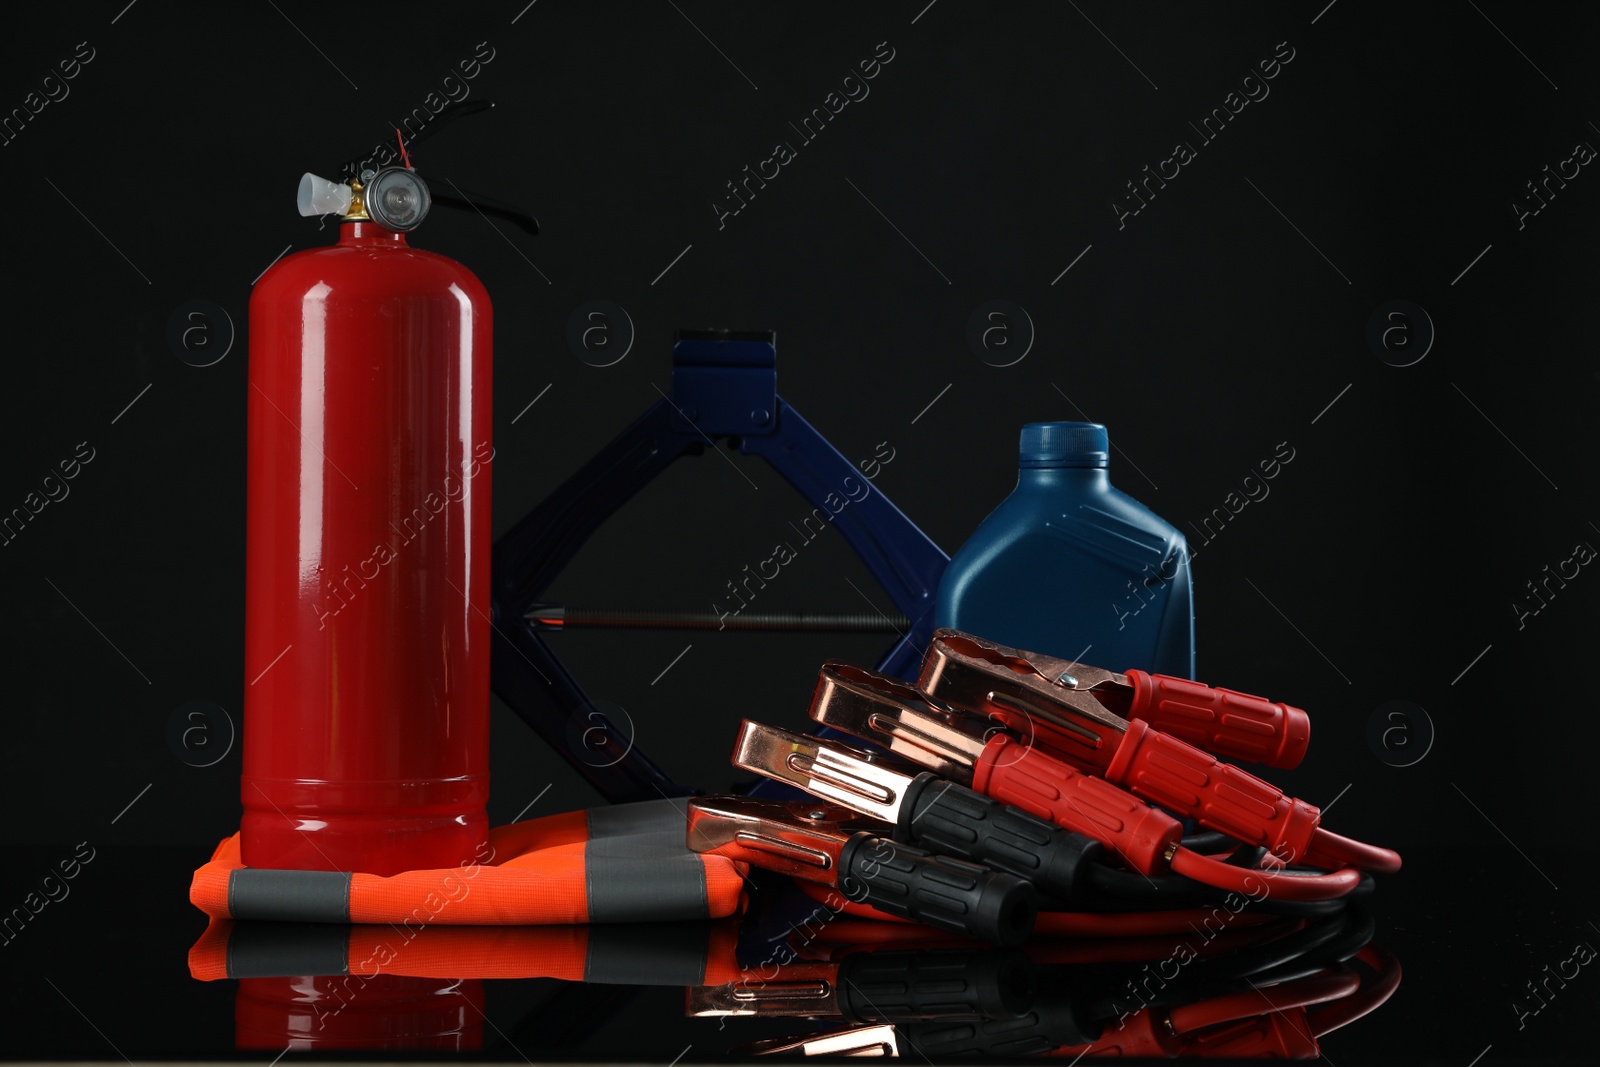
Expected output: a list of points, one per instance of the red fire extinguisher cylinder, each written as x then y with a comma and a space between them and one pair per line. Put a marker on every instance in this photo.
367, 560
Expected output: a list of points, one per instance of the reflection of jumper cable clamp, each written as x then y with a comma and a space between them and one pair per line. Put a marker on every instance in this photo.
1282, 1022
876, 987
1264, 1000
1007, 759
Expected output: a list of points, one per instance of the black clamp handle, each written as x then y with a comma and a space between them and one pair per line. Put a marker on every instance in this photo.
951, 894
955, 821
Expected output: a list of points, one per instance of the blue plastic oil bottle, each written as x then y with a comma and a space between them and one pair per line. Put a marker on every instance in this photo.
1069, 566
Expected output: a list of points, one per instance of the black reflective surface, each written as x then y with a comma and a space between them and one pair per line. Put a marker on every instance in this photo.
104, 972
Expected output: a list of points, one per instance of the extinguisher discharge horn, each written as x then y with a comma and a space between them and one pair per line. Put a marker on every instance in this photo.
319, 196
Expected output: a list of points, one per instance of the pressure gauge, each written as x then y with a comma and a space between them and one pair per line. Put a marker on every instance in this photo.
397, 199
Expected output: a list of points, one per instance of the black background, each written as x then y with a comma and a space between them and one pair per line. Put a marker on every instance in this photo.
1206, 331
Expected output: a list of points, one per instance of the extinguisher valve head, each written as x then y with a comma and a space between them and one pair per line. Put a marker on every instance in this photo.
319, 196
397, 199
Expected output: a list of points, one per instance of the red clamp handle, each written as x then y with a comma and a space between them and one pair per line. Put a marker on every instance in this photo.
1195, 784
1026, 778
1221, 720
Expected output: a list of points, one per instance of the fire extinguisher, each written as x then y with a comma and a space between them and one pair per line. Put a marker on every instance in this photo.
367, 554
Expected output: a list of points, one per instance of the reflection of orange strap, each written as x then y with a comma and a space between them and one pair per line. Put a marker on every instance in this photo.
566, 953
538, 872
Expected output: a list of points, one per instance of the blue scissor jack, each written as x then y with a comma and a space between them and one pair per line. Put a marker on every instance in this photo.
724, 386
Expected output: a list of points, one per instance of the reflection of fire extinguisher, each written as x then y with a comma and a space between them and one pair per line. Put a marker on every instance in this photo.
367, 555
372, 1013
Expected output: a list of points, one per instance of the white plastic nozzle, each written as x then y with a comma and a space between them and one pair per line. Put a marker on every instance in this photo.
319, 196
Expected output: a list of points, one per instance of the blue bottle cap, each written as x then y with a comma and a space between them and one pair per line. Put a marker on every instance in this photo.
1064, 444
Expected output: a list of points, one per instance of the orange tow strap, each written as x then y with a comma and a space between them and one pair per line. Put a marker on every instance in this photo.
683, 954
626, 863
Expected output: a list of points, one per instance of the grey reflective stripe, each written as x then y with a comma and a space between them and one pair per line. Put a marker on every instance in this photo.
644, 817
289, 896
283, 950
644, 879
638, 868
658, 954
